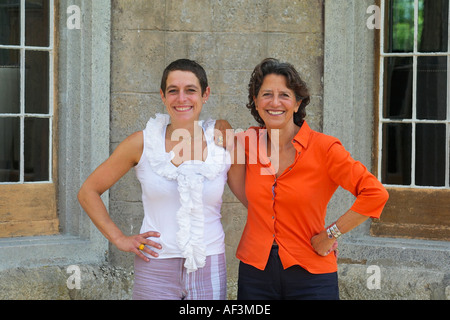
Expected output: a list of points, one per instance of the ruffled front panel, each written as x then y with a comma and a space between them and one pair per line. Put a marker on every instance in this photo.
189, 176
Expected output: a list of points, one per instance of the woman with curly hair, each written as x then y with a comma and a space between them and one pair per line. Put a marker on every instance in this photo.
286, 251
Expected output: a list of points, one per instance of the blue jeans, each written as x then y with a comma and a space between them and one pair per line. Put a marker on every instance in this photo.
294, 283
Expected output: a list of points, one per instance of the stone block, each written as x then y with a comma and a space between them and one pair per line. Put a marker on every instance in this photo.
137, 61
188, 15
314, 113
50, 283
198, 46
230, 108
395, 283
130, 113
239, 51
138, 14
289, 16
240, 16
231, 82
305, 52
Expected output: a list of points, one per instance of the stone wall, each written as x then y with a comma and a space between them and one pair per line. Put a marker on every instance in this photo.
229, 38
108, 87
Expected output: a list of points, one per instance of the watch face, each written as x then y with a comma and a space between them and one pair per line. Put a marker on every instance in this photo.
330, 236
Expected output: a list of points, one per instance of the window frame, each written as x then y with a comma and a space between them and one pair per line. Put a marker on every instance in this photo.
82, 93
23, 49
419, 212
21, 214
413, 121
349, 113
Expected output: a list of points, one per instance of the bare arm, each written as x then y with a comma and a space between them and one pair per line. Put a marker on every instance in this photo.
236, 182
125, 157
224, 136
236, 174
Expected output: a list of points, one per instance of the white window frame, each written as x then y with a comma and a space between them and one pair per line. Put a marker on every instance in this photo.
22, 114
413, 121
83, 97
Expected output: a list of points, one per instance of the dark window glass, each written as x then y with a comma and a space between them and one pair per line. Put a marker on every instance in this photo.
433, 26
397, 154
398, 88
430, 155
10, 22
37, 23
36, 82
9, 149
9, 81
432, 88
36, 149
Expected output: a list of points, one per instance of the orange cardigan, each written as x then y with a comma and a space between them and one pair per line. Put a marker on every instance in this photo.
291, 209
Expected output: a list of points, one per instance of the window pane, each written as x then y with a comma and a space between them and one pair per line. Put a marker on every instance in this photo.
433, 19
432, 88
9, 81
9, 149
396, 159
36, 149
398, 88
430, 155
400, 17
10, 22
36, 82
9, 57
37, 23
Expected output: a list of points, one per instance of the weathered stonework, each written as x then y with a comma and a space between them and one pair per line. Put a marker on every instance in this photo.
229, 38
108, 86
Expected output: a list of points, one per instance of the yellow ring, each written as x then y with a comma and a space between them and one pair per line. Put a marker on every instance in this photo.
141, 247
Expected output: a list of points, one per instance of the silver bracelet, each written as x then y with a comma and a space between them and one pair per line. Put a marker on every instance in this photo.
334, 231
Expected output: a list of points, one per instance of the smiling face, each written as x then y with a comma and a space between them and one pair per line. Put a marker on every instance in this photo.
276, 103
183, 97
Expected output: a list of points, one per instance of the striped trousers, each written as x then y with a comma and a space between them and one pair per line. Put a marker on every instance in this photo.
167, 279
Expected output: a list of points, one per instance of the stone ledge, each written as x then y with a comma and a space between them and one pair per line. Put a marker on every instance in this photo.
50, 283
396, 283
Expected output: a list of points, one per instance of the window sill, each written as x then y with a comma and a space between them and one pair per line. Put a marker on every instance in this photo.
368, 250
32, 252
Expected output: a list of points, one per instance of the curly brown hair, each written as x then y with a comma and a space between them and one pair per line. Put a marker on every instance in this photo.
293, 82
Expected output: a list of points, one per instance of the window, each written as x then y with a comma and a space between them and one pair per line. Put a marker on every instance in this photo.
414, 118
27, 130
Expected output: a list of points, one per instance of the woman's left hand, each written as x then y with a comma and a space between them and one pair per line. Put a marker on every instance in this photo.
324, 245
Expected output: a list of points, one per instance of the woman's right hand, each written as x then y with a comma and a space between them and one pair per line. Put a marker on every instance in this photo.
132, 244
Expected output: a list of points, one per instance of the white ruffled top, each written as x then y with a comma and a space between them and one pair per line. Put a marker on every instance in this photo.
183, 203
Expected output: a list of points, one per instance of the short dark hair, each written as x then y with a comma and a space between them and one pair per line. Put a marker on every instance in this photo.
185, 65
293, 82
